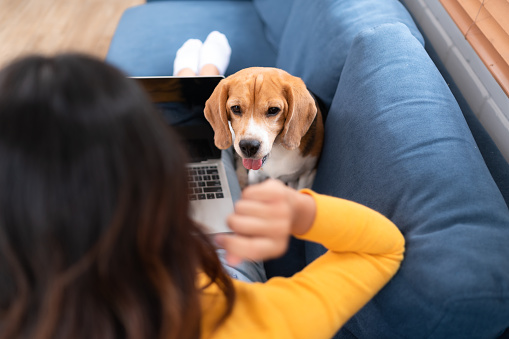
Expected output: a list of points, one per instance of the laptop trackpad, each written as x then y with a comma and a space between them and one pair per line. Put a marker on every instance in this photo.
211, 214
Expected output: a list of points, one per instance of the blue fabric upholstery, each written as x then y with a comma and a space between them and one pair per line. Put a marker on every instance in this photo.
318, 35
274, 14
148, 36
492, 156
397, 142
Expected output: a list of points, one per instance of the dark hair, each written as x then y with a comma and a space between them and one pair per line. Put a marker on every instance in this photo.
95, 238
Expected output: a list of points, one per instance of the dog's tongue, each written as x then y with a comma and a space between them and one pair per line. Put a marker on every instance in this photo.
252, 164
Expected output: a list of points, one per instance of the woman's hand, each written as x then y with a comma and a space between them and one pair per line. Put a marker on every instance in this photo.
263, 220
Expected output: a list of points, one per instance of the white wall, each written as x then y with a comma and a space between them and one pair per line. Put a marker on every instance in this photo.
486, 99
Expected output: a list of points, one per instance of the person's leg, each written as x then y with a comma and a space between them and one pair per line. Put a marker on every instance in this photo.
209, 69
249, 271
214, 55
186, 72
208, 58
187, 58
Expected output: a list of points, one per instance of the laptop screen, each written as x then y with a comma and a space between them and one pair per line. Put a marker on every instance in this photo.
181, 101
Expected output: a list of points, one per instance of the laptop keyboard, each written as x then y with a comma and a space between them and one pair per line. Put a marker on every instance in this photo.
203, 183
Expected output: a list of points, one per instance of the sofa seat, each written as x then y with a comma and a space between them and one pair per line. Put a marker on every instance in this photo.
148, 36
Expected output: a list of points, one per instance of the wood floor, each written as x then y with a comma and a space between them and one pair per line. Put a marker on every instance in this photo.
52, 26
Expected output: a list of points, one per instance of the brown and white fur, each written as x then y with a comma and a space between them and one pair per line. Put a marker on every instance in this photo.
272, 120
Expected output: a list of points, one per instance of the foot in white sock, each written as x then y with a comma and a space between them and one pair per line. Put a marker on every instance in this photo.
188, 56
216, 51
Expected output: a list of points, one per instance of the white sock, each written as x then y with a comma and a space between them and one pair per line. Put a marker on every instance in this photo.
216, 51
187, 56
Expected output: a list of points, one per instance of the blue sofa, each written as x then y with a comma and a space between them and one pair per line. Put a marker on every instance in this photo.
398, 138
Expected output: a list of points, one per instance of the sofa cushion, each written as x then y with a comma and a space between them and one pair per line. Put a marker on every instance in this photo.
396, 141
148, 36
318, 35
274, 14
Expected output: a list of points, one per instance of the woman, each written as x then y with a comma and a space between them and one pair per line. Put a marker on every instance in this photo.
96, 242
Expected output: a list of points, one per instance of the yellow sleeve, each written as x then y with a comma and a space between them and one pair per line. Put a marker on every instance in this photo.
365, 251
345, 226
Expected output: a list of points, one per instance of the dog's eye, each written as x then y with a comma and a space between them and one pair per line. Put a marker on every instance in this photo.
236, 109
273, 111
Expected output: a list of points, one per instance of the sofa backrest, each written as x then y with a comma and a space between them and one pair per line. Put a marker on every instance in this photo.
274, 14
316, 37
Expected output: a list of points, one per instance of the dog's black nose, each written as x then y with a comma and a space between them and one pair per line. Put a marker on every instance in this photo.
249, 147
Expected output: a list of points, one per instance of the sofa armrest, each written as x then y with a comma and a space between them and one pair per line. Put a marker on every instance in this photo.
396, 141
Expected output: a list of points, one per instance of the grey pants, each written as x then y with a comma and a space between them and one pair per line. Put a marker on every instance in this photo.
249, 271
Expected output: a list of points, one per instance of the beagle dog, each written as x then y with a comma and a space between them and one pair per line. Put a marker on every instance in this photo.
273, 121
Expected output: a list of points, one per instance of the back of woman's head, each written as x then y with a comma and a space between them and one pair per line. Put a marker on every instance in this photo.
95, 240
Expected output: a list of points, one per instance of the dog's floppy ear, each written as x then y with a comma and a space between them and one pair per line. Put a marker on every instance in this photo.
301, 113
217, 115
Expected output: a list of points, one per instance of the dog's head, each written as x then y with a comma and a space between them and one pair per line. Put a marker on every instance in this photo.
263, 105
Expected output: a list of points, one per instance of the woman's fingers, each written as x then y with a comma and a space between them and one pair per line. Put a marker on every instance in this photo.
251, 226
252, 248
264, 212
268, 190
261, 223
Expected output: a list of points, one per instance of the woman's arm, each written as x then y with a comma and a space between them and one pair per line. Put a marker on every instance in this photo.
365, 251
269, 212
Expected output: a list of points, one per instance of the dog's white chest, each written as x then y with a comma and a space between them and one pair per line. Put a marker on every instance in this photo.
288, 166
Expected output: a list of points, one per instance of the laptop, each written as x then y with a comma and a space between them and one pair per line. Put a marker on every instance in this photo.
181, 101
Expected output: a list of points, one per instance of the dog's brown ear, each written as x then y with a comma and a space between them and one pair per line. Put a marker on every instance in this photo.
217, 115
301, 113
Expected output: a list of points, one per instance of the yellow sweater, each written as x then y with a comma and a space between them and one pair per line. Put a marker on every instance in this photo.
365, 251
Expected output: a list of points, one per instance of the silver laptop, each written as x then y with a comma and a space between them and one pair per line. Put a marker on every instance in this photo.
181, 101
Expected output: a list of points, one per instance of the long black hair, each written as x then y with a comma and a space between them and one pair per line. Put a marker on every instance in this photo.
95, 238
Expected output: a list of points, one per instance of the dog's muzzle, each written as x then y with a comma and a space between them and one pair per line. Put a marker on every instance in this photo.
249, 147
